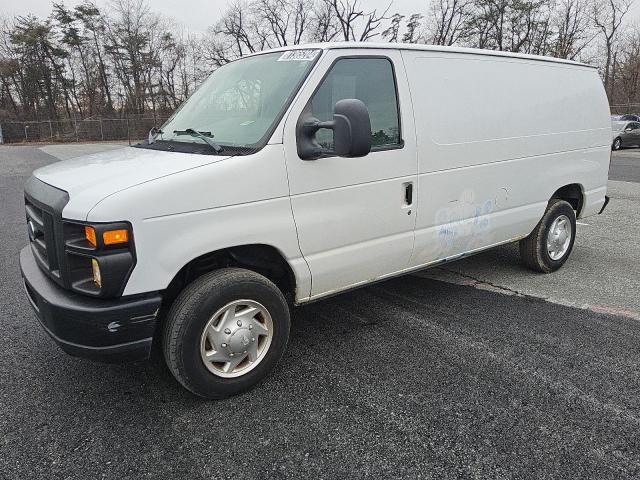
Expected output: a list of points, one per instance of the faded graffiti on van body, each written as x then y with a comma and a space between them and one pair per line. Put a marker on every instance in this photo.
462, 226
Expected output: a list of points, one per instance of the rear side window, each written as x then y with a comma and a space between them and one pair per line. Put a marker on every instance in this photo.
371, 80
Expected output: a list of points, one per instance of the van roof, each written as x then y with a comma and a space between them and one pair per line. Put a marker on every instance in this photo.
425, 48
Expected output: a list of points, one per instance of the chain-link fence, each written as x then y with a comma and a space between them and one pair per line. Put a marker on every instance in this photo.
128, 128
94, 129
623, 108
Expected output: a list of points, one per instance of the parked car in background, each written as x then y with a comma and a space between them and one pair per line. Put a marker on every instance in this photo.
625, 134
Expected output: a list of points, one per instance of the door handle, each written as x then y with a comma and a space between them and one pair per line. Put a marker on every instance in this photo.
408, 193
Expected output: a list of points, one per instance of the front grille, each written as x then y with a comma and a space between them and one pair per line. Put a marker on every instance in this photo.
43, 209
42, 238
35, 222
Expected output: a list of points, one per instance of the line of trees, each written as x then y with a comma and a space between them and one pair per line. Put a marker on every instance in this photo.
123, 58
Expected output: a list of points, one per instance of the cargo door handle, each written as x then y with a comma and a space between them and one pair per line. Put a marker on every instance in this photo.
408, 193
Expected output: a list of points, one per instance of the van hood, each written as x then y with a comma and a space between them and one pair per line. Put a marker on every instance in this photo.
91, 178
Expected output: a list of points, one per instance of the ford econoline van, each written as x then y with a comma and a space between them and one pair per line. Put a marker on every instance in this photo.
295, 174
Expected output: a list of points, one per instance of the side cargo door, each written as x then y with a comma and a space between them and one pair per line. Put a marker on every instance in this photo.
355, 216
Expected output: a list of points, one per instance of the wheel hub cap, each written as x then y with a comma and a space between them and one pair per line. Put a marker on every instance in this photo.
240, 340
236, 338
559, 237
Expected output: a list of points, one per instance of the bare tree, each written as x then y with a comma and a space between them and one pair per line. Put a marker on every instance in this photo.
239, 26
325, 29
449, 18
627, 71
607, 17
571, 20
90, 60
354, 23
285, 20
510, 25
89, 15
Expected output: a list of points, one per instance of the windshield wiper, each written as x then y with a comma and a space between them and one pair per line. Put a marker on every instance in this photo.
204, 136
153, 134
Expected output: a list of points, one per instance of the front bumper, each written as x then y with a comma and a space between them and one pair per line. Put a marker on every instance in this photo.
116, 330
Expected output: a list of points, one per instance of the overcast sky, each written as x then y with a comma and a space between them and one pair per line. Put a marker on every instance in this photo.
199, 15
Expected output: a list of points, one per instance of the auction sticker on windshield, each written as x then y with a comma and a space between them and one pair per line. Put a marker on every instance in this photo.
298, 55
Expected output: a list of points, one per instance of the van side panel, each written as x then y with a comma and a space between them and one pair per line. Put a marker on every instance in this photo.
496, 138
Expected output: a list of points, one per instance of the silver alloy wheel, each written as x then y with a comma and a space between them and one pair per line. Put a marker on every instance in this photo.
236, 338
559, 237
617, 144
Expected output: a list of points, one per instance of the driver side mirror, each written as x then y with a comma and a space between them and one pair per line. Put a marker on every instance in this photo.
351, 127
628, 129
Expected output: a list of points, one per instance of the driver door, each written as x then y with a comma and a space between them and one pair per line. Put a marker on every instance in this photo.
355, 217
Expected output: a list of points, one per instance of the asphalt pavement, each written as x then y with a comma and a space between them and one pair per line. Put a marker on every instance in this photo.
625, 165
409, 378
601, 274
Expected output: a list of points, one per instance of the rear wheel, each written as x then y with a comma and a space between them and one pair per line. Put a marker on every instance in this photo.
548, 247
225, 332
617, 144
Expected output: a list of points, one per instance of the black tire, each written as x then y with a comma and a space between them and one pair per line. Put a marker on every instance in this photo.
533, 249
192, 310
617, 144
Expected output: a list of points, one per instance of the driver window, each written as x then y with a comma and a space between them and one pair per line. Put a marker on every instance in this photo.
370, 80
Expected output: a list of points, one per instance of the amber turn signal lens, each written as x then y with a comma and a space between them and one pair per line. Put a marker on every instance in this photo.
113, 237
90, 234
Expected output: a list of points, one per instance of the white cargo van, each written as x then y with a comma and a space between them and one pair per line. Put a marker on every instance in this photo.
295, 174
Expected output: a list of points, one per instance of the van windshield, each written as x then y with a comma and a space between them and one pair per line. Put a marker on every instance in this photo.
241, 101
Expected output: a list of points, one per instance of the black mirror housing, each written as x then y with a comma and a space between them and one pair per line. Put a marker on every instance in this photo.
351, 127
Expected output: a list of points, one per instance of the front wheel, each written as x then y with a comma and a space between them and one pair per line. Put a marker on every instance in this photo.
548, 247
225, 332
617, 144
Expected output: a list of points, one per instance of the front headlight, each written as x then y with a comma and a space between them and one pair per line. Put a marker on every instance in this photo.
100, 257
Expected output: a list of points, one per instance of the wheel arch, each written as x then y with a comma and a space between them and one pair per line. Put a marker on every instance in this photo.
572, 193
260, 258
